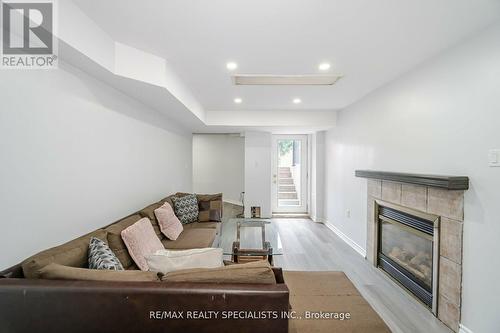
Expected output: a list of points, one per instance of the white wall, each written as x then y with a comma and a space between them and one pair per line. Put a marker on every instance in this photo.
77, 155
81, 32
258, 172
219, 165
317, 172
273, 119
441, 118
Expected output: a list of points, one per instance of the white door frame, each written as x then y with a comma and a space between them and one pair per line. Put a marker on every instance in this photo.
304, 187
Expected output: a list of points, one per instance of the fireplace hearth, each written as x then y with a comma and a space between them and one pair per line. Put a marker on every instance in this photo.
407, 243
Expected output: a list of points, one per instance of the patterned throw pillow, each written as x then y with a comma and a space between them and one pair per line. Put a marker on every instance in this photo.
101, 257
186, 208
210, 210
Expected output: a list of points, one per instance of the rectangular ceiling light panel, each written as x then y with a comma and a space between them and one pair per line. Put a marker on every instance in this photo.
304, 80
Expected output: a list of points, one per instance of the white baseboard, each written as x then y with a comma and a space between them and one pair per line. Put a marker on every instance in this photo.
233, 202
317, 219
346, 239
463, 329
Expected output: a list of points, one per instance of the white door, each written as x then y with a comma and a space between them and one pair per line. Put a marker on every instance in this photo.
289, 173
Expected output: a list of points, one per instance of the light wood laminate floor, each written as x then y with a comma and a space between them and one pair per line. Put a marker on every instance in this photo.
311, 246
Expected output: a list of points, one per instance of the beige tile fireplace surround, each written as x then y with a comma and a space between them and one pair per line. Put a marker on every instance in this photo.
444, 203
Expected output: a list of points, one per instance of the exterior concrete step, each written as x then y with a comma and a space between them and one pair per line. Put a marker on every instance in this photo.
287, 195
285, 175
289, 202
287, 188
286, 181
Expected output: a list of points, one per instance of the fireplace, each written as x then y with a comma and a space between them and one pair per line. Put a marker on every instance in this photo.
408, 249
414, 235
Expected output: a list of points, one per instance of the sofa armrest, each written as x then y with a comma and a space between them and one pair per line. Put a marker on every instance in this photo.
12, 272
93, 306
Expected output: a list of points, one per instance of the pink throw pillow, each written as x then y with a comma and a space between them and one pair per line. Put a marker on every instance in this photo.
141, 240
170, 225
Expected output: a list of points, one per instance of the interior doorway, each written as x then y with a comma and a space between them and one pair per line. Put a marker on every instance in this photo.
289, 174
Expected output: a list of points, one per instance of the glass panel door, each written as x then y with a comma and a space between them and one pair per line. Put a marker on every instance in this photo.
289, 174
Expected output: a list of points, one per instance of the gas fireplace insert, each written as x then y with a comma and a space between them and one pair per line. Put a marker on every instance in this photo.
408, 250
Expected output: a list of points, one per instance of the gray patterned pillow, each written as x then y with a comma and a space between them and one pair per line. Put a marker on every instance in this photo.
101, 257
186, 208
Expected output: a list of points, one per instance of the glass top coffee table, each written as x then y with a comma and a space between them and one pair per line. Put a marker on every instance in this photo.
248, 240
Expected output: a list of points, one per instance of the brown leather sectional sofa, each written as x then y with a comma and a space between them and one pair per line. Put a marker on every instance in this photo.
31, 303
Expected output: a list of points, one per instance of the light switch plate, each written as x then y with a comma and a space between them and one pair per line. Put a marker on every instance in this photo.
494, 158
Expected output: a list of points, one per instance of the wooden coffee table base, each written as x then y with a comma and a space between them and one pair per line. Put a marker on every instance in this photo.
242, 256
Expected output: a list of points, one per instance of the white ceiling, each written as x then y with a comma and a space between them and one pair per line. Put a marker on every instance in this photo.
371, 42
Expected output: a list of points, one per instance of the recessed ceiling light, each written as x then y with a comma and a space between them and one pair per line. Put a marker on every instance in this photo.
231, 66
324, 66
238, 100
297, 101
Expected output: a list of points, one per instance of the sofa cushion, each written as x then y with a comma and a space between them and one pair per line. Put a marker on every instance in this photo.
101, 257
210, 210
168, 199
169, 224
258, 272
141, 240
132, 267
192, 239
61, 272
165, 261
210, 206
115, 241
149, 212
203, 225
73, 253
186, 208
201, 197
